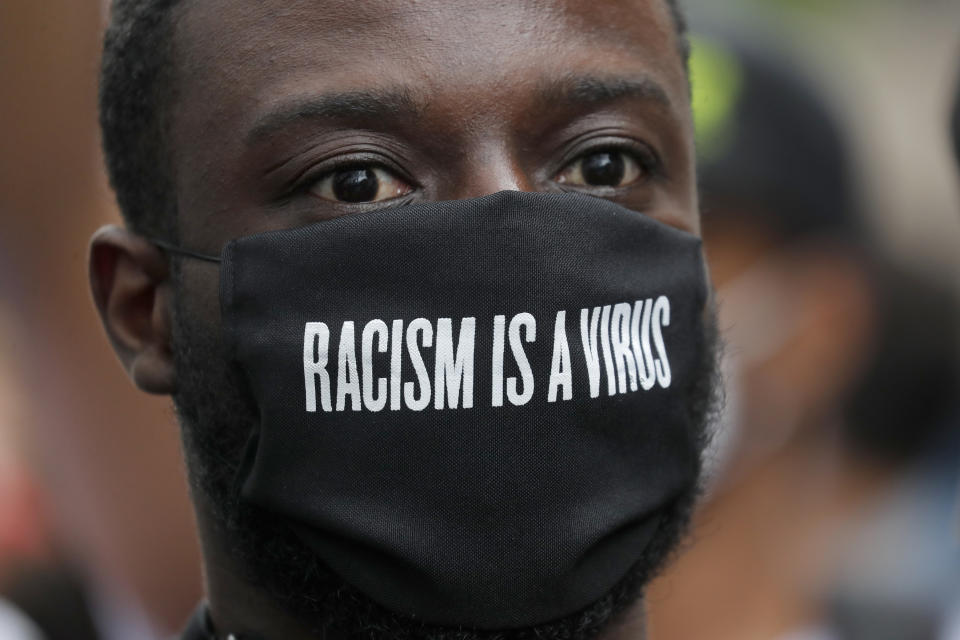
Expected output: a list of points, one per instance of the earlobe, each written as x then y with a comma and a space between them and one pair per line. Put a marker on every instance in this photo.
129, 279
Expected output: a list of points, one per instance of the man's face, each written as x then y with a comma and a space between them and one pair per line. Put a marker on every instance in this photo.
288, 112
452, 99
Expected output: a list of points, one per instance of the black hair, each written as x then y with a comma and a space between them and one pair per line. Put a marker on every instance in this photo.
137, 90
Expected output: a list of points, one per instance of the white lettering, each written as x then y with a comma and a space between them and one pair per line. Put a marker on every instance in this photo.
527, 321
348, 382
641, 344
316, 344
661, 318
499, 323
420, 325
396, 347
373, 328
605, 343
451, 369
620, 337
589, 339
560, 373
627, 336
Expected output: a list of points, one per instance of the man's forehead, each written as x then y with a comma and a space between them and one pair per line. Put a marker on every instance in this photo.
262, 22
449, 79
239, 44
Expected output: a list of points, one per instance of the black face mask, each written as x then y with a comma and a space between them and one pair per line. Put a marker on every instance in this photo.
475, 411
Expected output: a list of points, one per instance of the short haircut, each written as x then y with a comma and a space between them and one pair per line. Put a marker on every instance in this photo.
137, 89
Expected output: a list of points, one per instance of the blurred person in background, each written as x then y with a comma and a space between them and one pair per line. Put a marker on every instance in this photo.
953, 625
836, 467
955, 121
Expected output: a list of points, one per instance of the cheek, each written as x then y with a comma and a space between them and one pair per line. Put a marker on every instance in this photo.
678, 202
198, 296
677, 205
685, 196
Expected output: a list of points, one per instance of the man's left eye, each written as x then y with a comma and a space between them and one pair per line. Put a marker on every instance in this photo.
362, 183
610, 168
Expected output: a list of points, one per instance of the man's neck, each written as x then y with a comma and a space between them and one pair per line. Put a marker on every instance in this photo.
235, 606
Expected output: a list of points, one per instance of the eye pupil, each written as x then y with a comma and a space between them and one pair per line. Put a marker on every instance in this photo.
604, 169
356, 185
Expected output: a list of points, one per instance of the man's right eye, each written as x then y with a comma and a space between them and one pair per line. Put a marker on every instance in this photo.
360, 183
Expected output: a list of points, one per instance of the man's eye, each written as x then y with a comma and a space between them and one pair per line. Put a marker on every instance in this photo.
601, 169
360, 184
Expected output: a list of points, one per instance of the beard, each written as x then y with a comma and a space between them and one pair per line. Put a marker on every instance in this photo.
218, 418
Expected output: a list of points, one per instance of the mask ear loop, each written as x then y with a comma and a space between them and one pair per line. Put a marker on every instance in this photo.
250, 449
180, 251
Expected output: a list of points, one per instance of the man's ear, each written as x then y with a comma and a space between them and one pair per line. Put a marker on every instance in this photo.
129, 277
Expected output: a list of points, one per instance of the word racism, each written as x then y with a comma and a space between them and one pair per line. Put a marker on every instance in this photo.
623, 341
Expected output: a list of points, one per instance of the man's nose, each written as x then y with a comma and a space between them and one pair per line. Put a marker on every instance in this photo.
487, 173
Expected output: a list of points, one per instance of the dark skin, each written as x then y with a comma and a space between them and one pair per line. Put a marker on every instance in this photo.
284, 107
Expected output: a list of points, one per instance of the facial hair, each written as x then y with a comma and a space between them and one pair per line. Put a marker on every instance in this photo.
218, 418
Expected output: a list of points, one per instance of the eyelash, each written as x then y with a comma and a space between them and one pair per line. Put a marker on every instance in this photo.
645, 157
307, 179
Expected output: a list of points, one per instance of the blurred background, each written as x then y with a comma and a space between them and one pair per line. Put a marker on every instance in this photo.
831, 198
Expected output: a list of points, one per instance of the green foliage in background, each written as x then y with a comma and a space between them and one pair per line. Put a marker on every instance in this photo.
716, 80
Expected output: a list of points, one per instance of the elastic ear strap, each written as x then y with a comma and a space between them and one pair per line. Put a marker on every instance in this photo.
180, 251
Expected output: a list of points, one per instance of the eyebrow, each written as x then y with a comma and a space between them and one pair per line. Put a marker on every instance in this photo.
585, 90
378, 104
367, 104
